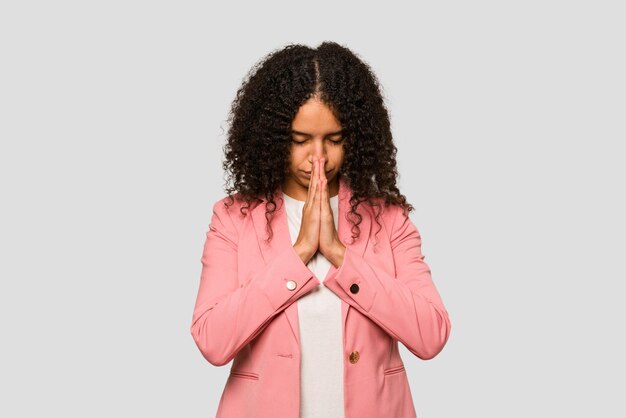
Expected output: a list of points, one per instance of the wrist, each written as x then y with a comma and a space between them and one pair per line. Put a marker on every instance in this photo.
305, 254
337, 254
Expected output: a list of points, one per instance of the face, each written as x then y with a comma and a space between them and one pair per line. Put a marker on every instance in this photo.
315, 132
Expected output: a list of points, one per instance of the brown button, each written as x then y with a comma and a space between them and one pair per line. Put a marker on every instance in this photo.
291, 285
354, 288
354, 357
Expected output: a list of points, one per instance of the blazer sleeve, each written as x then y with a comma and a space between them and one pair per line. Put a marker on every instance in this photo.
408, 306
227, 313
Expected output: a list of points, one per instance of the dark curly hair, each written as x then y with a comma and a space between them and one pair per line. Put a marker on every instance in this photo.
258, 147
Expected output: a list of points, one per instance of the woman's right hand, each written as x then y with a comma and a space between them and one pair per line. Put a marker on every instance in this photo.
307, 243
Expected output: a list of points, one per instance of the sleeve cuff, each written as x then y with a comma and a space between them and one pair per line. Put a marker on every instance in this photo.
348, 281
287, 279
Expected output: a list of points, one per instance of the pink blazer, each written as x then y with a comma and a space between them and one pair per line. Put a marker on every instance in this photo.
246, 310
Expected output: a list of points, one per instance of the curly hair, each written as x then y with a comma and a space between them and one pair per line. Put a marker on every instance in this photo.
258, 147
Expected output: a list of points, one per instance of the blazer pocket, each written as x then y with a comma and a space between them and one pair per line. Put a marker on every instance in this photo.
244, 374
394, 370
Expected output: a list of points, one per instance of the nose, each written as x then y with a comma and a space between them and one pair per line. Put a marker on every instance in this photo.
318, 151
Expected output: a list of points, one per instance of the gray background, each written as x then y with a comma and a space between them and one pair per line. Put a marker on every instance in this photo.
508, 117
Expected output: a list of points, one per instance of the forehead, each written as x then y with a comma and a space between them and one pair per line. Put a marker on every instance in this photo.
315, 117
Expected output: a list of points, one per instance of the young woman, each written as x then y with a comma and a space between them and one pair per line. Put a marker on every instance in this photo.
312, 271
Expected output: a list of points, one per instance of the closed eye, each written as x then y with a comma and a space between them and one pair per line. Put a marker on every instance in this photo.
334, 142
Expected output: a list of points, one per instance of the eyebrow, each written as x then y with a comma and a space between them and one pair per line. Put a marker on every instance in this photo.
293, 131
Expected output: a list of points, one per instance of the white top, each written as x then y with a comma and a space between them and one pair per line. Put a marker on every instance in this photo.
321, 345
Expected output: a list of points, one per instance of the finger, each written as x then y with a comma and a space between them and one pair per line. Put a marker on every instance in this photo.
323, 183
315, 180
314, 183
324, 195
318, 188
311, 189
317, 168
325, 191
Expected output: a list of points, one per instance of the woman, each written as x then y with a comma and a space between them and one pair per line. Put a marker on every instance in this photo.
312, 271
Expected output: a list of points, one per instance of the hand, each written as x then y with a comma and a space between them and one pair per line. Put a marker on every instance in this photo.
307, 243
329, 244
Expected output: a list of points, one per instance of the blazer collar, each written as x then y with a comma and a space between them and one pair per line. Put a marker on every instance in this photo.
282, 238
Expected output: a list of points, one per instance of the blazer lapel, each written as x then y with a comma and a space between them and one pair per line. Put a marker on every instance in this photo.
281, 239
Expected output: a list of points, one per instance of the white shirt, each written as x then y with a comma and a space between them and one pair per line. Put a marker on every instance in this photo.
321, 345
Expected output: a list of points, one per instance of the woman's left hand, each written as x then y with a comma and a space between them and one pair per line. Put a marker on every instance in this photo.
329, 243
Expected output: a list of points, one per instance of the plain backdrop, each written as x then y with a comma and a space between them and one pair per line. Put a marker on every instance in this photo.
509, 117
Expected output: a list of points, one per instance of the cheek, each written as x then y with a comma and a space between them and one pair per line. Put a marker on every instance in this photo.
338, 156
296, 158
